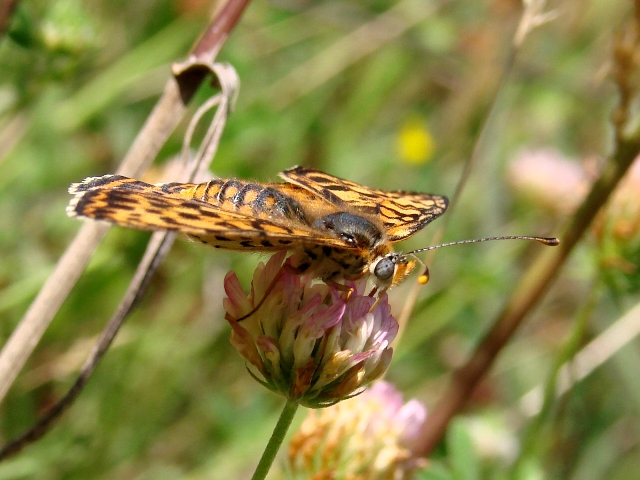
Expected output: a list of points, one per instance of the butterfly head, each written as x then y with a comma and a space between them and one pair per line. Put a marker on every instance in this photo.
391, 269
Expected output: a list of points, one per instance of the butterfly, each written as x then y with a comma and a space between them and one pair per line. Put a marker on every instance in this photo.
335, 229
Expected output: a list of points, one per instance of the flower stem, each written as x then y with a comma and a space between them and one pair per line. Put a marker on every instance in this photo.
279, 432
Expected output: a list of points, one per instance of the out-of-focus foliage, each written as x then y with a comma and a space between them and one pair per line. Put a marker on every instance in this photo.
399, 111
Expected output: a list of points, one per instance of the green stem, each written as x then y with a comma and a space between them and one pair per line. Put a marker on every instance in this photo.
536, 438
277, 437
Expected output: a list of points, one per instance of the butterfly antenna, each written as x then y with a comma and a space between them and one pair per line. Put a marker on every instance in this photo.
424, 278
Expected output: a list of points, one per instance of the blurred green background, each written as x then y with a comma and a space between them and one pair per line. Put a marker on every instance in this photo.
172, 398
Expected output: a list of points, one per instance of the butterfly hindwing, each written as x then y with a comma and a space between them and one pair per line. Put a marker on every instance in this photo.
401, 213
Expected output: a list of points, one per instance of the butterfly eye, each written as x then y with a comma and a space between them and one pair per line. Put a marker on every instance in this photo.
384, 269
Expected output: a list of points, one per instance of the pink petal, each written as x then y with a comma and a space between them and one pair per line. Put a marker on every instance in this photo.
236, 303
242, 340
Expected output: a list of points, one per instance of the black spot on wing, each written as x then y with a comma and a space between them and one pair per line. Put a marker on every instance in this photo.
159, 202
165, 218
156, 211
189, 215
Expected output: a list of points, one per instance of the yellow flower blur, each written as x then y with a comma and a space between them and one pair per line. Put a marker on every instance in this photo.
415, 143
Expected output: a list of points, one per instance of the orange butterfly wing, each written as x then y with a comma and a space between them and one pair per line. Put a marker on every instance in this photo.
401, 213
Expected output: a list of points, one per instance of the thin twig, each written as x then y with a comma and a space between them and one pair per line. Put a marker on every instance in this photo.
348, 50
598, 351
476, 155
530, 18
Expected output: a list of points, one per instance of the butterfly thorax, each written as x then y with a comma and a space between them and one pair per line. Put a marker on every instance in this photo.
364, 238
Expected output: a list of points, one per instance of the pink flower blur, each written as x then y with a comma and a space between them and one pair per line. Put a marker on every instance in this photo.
550, 179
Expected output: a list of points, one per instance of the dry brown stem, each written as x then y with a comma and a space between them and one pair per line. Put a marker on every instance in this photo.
541, 274
161, 122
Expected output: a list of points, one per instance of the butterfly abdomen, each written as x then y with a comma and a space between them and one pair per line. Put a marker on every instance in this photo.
248, 198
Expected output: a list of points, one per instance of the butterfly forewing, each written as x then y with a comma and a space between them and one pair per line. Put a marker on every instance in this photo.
134, 204
401, 213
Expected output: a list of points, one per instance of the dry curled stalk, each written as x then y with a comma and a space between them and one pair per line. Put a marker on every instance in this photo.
165, 116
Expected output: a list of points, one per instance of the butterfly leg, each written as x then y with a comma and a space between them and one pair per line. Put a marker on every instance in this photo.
339, 286
378, 298
347, 290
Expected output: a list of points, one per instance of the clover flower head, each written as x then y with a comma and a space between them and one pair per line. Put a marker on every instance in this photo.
372, 437
314, 343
